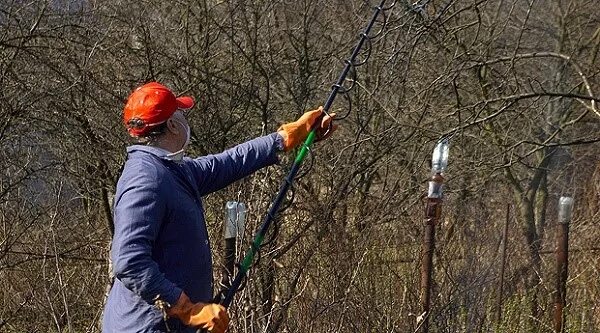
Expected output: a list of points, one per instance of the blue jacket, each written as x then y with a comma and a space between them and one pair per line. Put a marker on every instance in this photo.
160, 246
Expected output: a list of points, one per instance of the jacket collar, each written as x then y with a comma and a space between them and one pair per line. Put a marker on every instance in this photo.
156, 151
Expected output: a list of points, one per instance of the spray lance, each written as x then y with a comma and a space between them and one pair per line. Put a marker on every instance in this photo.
351, 64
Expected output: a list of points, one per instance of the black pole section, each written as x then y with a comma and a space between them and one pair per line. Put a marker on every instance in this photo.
350, 62
247, 262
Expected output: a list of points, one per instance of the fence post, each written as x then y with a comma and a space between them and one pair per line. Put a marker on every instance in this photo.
433, 211
565, 213
235, 221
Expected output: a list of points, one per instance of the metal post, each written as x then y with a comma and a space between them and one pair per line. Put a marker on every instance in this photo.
565, 213
235, 220
433, 211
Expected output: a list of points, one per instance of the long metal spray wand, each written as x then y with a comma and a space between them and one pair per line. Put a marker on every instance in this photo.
258, 239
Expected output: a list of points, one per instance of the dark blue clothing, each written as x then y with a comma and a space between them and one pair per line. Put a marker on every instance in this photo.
160, 246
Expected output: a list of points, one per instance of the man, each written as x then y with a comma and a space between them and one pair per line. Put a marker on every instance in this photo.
160, 251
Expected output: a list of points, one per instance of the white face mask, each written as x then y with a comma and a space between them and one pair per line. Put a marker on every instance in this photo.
188, 134
180, 154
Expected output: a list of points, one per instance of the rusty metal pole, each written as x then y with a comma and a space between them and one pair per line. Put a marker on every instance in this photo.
565, 213
433, 211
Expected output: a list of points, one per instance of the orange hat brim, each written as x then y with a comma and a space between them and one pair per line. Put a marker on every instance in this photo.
185, 102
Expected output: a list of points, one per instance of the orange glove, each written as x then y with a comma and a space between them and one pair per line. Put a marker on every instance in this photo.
296, 132
210, 316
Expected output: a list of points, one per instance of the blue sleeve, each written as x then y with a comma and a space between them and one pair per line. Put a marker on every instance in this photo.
213, 172
139, 212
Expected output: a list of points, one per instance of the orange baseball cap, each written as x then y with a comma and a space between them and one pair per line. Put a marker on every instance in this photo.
150, 105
